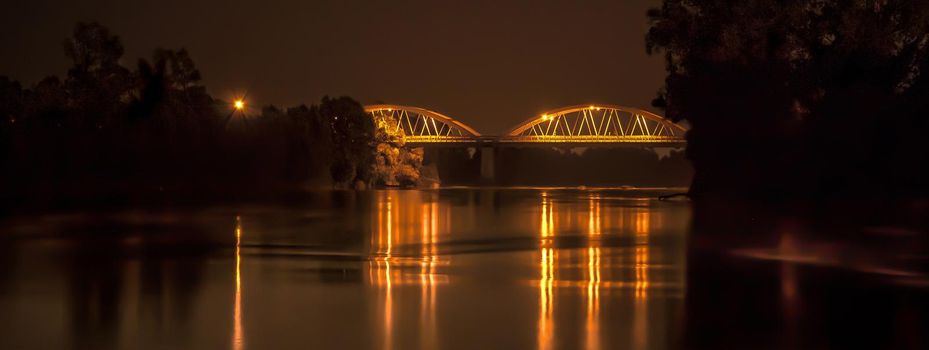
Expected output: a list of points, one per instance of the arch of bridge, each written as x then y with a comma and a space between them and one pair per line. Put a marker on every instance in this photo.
597, 121
422, 126
582, 123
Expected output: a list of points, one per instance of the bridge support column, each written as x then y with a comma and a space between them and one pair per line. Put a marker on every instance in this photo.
487, 164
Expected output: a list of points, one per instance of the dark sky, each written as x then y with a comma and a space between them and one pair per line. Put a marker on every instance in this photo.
489, 64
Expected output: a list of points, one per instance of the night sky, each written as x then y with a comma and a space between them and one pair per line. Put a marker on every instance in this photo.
489, 64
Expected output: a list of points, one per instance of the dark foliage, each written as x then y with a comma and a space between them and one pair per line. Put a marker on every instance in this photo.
106, 130
592, 167
800, 99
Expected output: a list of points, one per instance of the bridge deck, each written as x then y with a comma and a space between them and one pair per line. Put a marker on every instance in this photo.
490, 141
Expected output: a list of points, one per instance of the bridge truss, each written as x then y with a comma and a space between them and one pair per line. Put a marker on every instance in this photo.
587, 125
597, 124
418, 125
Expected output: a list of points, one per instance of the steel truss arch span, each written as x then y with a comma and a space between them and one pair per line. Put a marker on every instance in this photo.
597, 123
420, 125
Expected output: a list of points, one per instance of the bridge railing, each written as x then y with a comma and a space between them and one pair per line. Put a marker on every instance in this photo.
591, 139
439, 139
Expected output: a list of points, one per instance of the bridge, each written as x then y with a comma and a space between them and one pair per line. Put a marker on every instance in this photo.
573, 126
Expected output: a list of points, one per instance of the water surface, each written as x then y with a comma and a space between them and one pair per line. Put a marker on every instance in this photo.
453, 269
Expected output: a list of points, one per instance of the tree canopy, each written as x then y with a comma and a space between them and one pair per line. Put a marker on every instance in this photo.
106, 128
798, 98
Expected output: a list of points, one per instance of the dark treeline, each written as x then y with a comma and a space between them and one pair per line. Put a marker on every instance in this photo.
455, 165
105, 129
539, 166
592, 167
800, 100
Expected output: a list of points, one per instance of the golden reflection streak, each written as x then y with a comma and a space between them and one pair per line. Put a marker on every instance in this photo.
545, 298
546, 218
427, 271
419, 224
379, 269
640, 324
388, 284
593, 297
388, 307
642, 224
593, 274
641, 272
390, 235
237, 335
546, 280
593, 216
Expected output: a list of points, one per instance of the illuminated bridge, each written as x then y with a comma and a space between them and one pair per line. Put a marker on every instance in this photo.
574, 126
587, 125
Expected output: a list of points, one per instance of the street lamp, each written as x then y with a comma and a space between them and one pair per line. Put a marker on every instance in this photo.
237, 106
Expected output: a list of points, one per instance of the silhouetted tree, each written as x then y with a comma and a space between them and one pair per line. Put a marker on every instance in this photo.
107, 130
11, 108
799, 98
316, 137
352, 139
97, 85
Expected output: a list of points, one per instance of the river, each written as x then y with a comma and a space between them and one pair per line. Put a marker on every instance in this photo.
455, 268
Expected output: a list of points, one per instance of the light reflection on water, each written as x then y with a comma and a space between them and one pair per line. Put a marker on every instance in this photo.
466, 268
237, 335
416, 222
604, 254
450, 269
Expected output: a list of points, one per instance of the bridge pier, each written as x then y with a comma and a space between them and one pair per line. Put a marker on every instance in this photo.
487, 164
